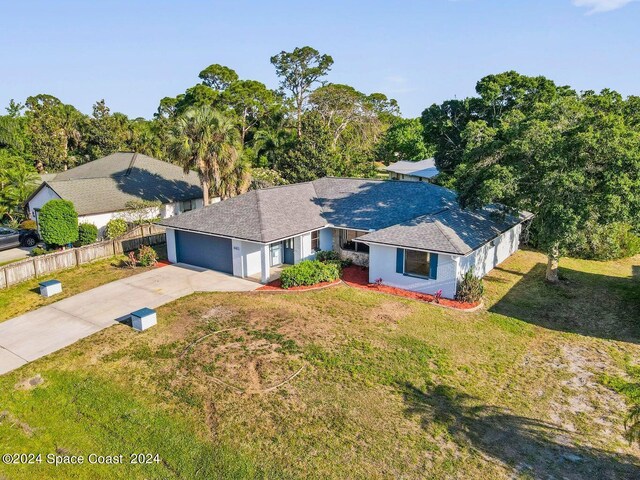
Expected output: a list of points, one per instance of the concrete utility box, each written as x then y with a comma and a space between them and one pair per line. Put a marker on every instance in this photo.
50, 287
143, 319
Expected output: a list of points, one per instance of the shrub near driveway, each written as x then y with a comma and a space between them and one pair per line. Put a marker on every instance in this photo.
309, 272
87, 234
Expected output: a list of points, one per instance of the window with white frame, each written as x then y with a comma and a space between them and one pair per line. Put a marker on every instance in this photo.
315, 241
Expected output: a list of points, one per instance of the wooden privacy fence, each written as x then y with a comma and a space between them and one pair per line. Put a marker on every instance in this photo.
34, 267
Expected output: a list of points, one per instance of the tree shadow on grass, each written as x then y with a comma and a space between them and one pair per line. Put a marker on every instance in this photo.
584, 303
528, 445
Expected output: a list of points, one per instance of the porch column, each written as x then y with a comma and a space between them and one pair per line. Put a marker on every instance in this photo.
265, 262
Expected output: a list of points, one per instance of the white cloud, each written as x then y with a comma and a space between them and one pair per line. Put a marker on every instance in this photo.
598, 6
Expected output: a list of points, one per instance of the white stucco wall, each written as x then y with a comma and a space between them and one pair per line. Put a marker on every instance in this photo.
171, 245
42, 197
173, 209
490, 255
382, 264
252, 259
100, 220
302, 248
247, 258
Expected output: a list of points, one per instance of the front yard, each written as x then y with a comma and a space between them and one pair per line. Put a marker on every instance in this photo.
25, 296
347, 383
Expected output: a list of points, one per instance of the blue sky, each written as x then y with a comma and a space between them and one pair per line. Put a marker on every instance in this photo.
132, 53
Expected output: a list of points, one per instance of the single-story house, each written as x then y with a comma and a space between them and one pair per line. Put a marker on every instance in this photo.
420, 171
101, 189
412, 235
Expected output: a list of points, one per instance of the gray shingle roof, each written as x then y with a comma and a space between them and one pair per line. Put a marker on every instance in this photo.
108, 183
410, 214
453, 230
374, 204
259, 215
422, 168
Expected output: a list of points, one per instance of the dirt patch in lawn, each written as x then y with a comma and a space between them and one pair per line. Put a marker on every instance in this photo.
29, 383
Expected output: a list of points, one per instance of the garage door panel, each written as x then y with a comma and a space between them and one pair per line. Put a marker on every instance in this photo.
204, 251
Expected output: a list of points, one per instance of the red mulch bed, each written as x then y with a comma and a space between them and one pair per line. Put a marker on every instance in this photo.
358, 277
162, 263
276, 285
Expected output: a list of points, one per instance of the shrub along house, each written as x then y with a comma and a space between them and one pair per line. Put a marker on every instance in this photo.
101, 189
412, 235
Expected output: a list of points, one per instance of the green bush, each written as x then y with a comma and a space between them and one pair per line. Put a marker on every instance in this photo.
87, 234
147, 256
28, 225
327, 255
309, 272
470, 288
37, 251
606, 242
330, 256
116, 227
58, 222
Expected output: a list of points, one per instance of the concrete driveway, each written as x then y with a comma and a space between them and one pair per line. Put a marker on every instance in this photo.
18, 253
35, 334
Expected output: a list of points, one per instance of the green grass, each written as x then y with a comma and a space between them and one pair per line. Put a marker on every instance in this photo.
113, 423
389, 387
2, 264
25, 296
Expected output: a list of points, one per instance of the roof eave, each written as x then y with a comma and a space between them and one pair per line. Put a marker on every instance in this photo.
408, 247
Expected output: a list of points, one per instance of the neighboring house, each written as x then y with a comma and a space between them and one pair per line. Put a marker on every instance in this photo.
101, 189
413, 235
420, 171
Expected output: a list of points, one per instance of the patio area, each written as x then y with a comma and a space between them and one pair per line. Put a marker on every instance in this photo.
274, 273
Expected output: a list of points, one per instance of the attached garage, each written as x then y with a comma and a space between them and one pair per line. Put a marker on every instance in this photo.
204, 251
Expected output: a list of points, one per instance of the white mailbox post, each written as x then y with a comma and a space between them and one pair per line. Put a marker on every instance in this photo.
50, 287
143, 319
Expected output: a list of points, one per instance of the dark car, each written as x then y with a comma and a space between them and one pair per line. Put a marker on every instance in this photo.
10, 238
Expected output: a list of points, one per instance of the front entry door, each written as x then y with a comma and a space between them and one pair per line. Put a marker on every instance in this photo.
276, 254
288, 252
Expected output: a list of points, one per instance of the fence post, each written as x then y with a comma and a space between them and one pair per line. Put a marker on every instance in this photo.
77, 252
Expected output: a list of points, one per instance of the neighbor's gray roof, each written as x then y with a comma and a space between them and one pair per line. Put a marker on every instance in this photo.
422, 168
452, 230
410, 214
108, 183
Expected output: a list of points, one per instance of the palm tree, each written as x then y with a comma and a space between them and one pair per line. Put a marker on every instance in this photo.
207, 141
236, 178
270, 144
17, 180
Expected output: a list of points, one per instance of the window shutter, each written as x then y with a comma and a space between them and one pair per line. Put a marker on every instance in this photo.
433, 265
399, 260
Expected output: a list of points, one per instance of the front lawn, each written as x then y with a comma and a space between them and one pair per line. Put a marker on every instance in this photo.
385, 387
25, 296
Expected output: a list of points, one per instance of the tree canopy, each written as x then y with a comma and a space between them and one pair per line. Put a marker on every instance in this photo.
571, 159
264, 129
